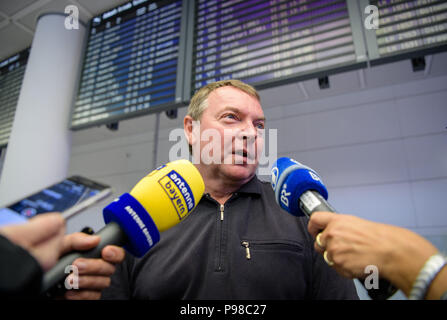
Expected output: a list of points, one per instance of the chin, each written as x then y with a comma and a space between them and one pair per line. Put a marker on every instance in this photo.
240, 171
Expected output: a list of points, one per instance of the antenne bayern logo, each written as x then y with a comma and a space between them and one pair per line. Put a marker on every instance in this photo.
178, 192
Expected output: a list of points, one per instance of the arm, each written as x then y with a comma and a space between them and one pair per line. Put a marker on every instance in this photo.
353, 243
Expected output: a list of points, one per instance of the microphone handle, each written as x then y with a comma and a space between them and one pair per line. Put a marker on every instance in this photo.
310, 202
54, 279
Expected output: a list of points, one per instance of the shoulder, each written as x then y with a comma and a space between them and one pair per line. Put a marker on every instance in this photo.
299, 224
265, 187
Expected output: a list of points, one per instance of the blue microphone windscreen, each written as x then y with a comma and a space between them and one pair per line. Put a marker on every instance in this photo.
290, 179
135, 221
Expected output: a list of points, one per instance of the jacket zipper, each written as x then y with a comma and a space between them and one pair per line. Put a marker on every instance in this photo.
246, 244
219, 264
219, 240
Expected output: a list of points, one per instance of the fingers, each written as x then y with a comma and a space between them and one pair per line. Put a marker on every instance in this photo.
93, 275
319, 244
94, 267
47, 252
113, 254
36, 230
79, 241
319, 221
45, 226
41, 236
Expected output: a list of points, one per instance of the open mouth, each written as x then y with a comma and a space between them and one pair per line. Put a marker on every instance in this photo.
243, 157
242, 153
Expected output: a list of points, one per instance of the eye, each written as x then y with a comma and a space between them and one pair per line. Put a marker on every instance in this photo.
230, 116
260, 125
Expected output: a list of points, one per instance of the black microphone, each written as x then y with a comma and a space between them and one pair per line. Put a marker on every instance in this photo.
300, 191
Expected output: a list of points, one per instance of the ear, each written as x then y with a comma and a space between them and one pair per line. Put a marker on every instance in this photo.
187, 127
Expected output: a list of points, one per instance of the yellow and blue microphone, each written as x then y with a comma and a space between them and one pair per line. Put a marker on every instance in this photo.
135, 220
159, 201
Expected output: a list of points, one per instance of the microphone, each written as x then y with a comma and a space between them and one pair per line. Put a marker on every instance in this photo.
157, 202
300, 191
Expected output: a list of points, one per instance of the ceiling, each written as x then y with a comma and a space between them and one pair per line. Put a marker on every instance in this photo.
18, 19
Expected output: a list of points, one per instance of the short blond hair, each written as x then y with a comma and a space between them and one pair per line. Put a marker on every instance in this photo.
199, 101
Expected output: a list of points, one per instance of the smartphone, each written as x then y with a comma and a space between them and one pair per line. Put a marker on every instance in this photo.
69, 197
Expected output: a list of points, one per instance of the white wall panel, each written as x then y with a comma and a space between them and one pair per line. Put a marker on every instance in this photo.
385, 203
371, 163
352, 125
119, 159
423, 114
429, 201
427, 156
423, 86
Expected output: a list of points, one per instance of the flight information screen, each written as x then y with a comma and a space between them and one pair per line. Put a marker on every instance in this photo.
410, 25
130, 65
12, 71
263, 41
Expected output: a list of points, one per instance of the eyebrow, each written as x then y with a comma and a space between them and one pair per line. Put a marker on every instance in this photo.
236, 110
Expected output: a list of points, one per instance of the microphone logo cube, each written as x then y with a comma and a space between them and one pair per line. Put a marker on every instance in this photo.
178, 192
285, 195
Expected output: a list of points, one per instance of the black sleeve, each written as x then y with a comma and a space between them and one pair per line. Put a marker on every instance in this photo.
327, 284
120, 288
20, 273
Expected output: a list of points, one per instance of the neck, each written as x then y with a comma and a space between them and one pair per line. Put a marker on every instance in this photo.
220, 187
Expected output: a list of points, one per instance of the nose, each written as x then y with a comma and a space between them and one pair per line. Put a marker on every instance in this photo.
249, 132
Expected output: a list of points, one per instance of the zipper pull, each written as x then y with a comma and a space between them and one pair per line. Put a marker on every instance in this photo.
221, 212
246, 244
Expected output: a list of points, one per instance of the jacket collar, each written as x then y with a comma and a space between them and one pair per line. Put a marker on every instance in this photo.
253, 186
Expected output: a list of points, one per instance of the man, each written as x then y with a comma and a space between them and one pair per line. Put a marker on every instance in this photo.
238, 243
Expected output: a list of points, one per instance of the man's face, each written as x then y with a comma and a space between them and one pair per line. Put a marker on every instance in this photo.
230, 130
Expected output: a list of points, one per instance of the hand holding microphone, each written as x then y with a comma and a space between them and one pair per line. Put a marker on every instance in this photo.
300, 191
354, 242
159, 201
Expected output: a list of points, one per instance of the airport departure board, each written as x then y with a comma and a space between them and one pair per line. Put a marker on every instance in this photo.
131, 63
265, 41
408, 26
12, 71
147, 56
